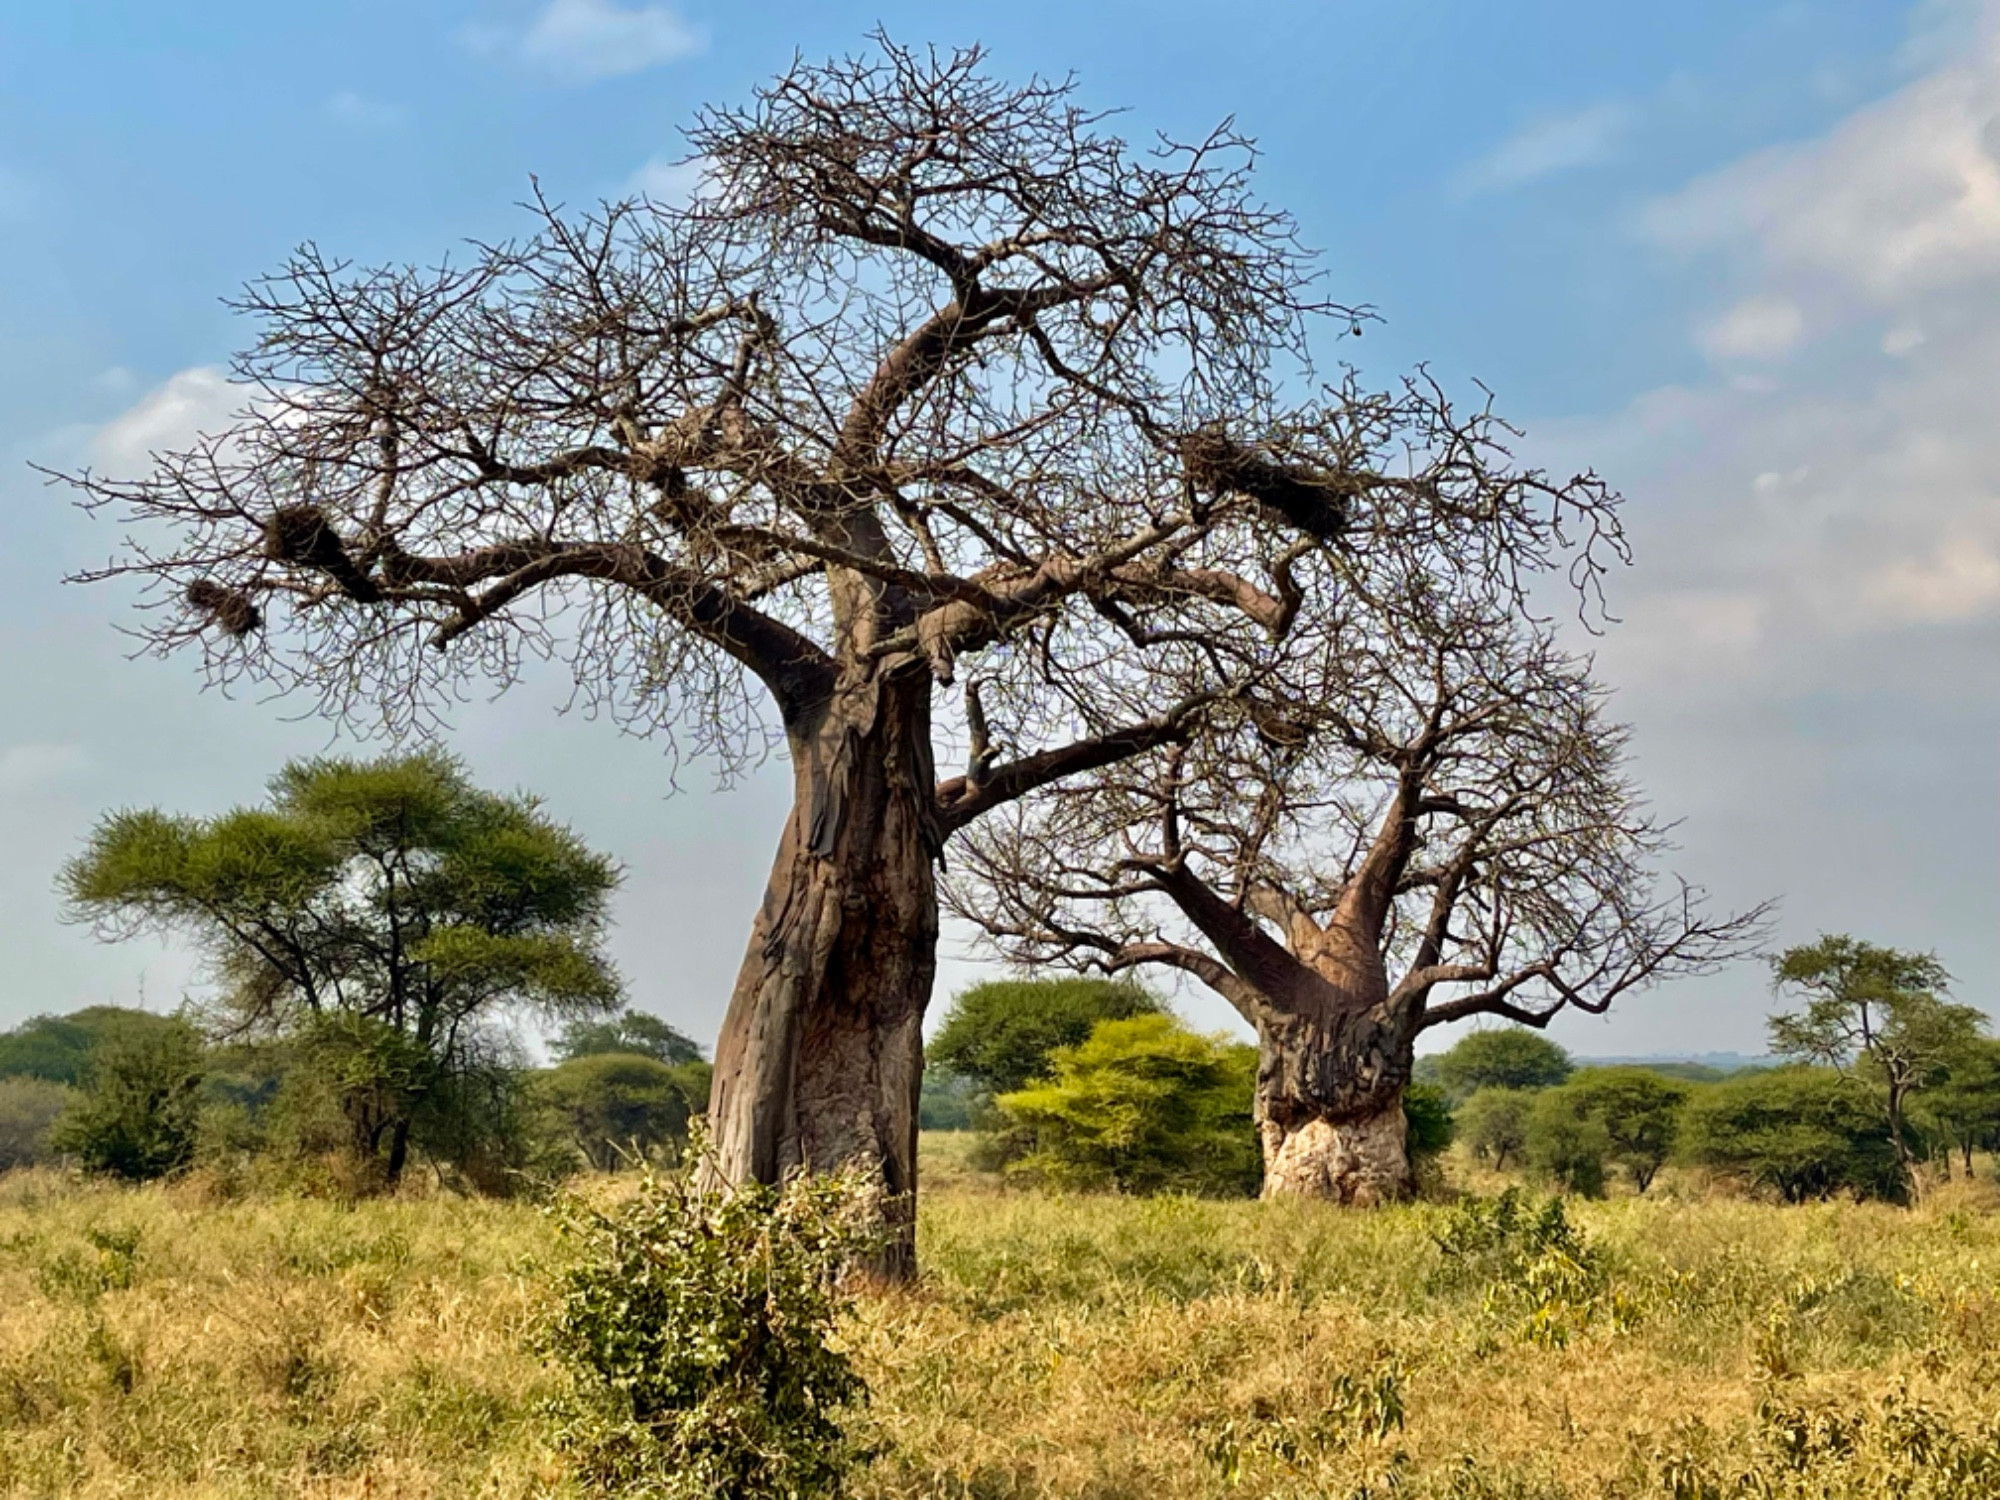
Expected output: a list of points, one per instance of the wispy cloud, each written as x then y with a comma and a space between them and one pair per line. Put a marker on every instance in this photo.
168, 417
668, 181
1762, 327
1548, 146
360, 113
579, 41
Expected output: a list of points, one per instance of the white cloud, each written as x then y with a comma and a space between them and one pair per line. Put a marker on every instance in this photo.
1902, 199
361, 113
170, 416
1545, 147
1755, 328
671, 182
577, 41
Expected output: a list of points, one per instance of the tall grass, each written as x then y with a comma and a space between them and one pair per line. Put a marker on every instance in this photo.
154, 1342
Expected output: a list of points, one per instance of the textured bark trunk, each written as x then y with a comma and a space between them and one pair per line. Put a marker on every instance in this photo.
820, 1056
1330, 1105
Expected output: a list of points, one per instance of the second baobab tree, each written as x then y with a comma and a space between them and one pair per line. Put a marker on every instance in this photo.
936, 383
1422, 816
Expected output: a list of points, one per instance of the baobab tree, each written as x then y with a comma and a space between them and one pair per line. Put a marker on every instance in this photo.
934, 381
1420, 816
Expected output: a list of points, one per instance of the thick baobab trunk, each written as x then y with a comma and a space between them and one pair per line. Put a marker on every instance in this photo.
820, 1057
1330, 1105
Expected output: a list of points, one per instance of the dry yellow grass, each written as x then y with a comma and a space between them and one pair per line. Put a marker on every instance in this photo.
154, 1342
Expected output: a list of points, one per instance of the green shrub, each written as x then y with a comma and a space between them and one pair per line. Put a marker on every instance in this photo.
138, 1114
1144, 1105
1431, 1124
58, 1048
28, 1107
1494, 1124
1566, 1144
631, 1031
1639, 1111
695, 1327
1000, 1035
948, 1102
1509, 1057
608, 1104
1798, 1132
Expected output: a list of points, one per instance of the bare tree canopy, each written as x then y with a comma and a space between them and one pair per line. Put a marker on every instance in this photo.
1420, 815
935, 379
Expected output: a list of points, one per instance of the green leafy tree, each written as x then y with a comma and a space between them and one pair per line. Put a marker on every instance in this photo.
696, 1327
29, 1106
392, 894
1961, 1110
632, 1031
1001, 1034
1800, 1132
1143, 1105
947, 1102
138, 1113
1508, 1057
1493, 1123
1639, 1111
1566, 1143
1876, 1014
59, 1048
610, 1103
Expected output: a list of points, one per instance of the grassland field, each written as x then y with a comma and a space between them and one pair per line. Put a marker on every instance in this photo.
167, 1341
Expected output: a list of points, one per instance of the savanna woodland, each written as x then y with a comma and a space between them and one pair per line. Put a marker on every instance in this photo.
994, 463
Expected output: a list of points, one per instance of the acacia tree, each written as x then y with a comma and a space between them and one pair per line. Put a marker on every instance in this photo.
1879, 1012
934, 373
1420, 818
382, 911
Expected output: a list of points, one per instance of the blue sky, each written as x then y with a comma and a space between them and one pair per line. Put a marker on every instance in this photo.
1740, 257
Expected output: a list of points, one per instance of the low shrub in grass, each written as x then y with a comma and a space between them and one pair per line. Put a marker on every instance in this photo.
696, 1326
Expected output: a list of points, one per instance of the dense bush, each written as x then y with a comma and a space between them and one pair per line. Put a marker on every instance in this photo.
1144, 1105
1510, 1057
609, 1105
1001, 1034
58, 1048
1566, 1144
632, 1031
1631, 1117
695, 1327
947, 1102
1493, 1123
1431, 1124
138, 1112
28, 1107
1798, 1132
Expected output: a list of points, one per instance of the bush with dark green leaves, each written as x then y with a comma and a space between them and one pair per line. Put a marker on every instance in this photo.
632, 1031
1143, 1106
696, 1328
1566, 1144
58, 1048
947, 1101
1639, 1111
1000, 1035
1798, 1132
1493, 1123
1430, 1122
138, 1112
28, 1108
1509, 1057
613, 1106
